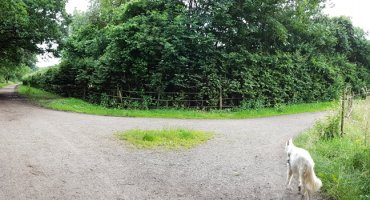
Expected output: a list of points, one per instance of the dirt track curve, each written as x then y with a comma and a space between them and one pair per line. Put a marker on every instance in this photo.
46, 154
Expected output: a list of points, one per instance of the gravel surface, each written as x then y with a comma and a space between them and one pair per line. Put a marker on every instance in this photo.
46, 154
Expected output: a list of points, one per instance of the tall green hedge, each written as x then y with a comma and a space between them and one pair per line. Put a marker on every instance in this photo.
170, 53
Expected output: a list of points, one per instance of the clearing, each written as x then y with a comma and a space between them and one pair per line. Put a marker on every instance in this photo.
46, 154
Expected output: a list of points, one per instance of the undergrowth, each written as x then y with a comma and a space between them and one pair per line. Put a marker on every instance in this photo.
342, 163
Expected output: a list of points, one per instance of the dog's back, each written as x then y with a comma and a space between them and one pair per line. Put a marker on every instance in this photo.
300, 163
299, 157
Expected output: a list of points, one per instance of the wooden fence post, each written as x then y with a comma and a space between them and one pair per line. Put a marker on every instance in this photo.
220, 98
119, 93
349, 102
366, 126
342, 116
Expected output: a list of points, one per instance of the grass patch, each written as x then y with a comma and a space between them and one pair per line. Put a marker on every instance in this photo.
5, 84
38, 96
342, 163
166, 138
53, 101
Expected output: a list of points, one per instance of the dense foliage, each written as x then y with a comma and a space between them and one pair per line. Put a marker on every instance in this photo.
24, 26
208, 52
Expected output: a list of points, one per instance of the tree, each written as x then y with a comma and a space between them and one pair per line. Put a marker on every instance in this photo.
27, 24
13, 73
256, 52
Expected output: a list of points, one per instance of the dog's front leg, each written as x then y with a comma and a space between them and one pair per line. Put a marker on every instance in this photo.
289, 177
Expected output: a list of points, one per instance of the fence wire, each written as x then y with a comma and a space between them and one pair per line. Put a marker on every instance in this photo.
150, 99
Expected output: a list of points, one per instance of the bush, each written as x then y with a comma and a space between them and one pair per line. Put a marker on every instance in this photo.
330, 127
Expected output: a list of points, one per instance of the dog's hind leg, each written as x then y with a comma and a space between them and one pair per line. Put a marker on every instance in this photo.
309, 195
301, 181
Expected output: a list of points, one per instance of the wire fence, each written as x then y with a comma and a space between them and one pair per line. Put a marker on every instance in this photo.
118, 97
347, 104
148, 99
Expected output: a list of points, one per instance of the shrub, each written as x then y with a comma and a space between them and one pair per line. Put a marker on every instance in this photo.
329, 128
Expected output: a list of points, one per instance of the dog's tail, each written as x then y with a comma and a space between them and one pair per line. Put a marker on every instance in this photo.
312, 182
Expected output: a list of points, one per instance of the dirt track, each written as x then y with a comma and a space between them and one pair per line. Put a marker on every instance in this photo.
46, 154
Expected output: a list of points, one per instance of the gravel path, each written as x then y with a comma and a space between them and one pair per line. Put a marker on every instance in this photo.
46, 154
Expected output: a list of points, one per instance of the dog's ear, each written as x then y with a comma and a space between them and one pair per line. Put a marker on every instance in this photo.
289, 142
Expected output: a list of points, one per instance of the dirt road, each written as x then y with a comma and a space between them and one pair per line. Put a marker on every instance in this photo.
46, 154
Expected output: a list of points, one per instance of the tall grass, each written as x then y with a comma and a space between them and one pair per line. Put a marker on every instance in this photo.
343, 163
53, 101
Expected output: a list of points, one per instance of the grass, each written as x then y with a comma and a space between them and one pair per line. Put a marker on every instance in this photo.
38, 96
53, 101
343, 163
5, 84
165, 138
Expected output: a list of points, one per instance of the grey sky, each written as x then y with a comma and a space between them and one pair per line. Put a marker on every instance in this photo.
81, 5
357, 10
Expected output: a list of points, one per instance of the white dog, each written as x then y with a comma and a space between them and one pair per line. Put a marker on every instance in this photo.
301, 164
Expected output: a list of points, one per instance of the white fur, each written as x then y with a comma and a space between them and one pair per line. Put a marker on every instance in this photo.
300, 164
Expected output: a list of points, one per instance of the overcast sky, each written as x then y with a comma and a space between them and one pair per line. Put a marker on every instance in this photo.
81, 5
357, 10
